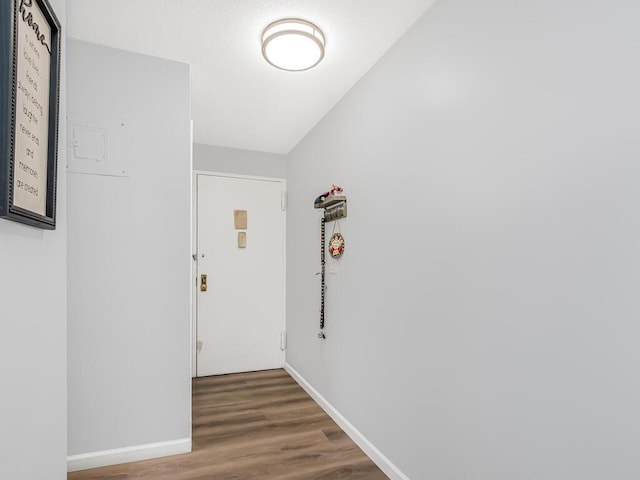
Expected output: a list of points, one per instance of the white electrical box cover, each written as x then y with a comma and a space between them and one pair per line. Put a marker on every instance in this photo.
98, 149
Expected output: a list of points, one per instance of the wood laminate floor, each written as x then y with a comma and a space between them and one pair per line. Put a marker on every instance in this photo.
250, 426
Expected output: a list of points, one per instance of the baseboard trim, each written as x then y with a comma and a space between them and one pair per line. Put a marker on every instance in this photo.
147, 451
393, 472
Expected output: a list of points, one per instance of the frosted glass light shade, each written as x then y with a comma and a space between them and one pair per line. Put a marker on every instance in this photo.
293, 44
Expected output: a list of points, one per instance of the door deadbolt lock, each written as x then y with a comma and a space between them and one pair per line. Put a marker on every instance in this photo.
203, 282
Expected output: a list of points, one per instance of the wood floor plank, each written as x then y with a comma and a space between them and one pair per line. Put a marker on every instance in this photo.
250, 426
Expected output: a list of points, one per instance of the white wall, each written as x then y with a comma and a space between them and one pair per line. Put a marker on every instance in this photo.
238, 161
33, 335
483, 321
129, 255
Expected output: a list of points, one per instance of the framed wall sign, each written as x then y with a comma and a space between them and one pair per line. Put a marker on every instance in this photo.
29, 95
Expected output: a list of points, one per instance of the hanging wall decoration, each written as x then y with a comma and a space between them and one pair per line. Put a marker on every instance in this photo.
336, 242
334, 204
336, 245
30, 40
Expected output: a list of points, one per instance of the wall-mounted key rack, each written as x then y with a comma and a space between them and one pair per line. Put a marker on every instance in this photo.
335, 208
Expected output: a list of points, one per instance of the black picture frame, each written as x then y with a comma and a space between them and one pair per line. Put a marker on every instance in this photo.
24, 55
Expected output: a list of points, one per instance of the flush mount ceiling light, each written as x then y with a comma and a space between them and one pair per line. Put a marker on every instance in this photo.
293, 44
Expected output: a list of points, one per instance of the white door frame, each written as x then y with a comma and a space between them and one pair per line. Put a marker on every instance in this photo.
194, 251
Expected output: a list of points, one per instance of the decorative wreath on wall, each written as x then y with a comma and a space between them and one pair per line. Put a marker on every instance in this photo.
336, 245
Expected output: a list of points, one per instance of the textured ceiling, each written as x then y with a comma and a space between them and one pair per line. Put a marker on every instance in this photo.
238, 99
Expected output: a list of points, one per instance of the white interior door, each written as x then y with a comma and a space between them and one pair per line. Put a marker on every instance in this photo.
241, 315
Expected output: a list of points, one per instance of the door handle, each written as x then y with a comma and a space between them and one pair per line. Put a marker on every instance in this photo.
203, 282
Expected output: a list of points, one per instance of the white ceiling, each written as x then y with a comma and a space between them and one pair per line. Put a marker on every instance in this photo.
238, 99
